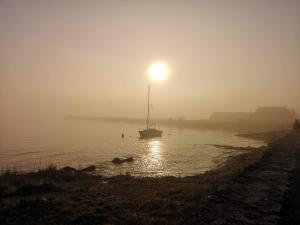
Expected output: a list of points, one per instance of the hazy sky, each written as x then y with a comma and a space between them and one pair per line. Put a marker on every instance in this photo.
91, 57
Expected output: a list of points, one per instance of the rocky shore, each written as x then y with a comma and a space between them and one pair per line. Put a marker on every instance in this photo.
256, 187
261, 194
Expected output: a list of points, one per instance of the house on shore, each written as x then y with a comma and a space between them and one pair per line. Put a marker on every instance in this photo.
272, 115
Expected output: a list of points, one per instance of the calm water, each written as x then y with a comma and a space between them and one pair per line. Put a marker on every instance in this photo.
179, 152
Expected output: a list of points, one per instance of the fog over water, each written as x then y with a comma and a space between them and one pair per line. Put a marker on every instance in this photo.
179, 152
91, 58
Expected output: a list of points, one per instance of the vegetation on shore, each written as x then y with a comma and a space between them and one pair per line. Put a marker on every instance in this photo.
66, 196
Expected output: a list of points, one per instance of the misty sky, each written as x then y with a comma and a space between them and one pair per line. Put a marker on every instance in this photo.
91, 57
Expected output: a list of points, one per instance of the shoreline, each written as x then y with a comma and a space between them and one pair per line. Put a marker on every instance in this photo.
37, 164
53, 197
268, 137
152, 200
261, 194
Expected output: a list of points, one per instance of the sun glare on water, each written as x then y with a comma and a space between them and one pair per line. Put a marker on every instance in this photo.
158, 71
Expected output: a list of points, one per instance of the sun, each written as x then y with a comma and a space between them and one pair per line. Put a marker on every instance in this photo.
158, 71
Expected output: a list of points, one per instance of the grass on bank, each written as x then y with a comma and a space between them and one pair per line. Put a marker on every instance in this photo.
120, 199
45, 180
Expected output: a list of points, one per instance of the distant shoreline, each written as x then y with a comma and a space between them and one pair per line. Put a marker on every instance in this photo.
239, 127
268, 136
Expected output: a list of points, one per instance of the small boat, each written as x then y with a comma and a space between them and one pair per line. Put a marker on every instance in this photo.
149, 132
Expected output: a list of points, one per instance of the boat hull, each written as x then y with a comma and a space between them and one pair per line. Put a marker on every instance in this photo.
150, 133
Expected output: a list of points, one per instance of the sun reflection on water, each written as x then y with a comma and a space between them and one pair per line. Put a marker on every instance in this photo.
155, 159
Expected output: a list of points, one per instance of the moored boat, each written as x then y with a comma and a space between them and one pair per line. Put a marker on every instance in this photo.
149, 132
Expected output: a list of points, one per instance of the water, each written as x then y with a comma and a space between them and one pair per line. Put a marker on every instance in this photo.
180, 152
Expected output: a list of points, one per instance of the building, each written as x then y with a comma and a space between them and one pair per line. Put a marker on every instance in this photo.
230, 117
274, 115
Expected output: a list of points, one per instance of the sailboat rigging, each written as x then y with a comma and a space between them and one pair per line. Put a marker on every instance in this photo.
149, 132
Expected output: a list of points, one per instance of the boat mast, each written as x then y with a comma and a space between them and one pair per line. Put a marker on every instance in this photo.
148, 115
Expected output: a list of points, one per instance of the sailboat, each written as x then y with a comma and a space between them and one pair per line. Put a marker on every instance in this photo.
149, 132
